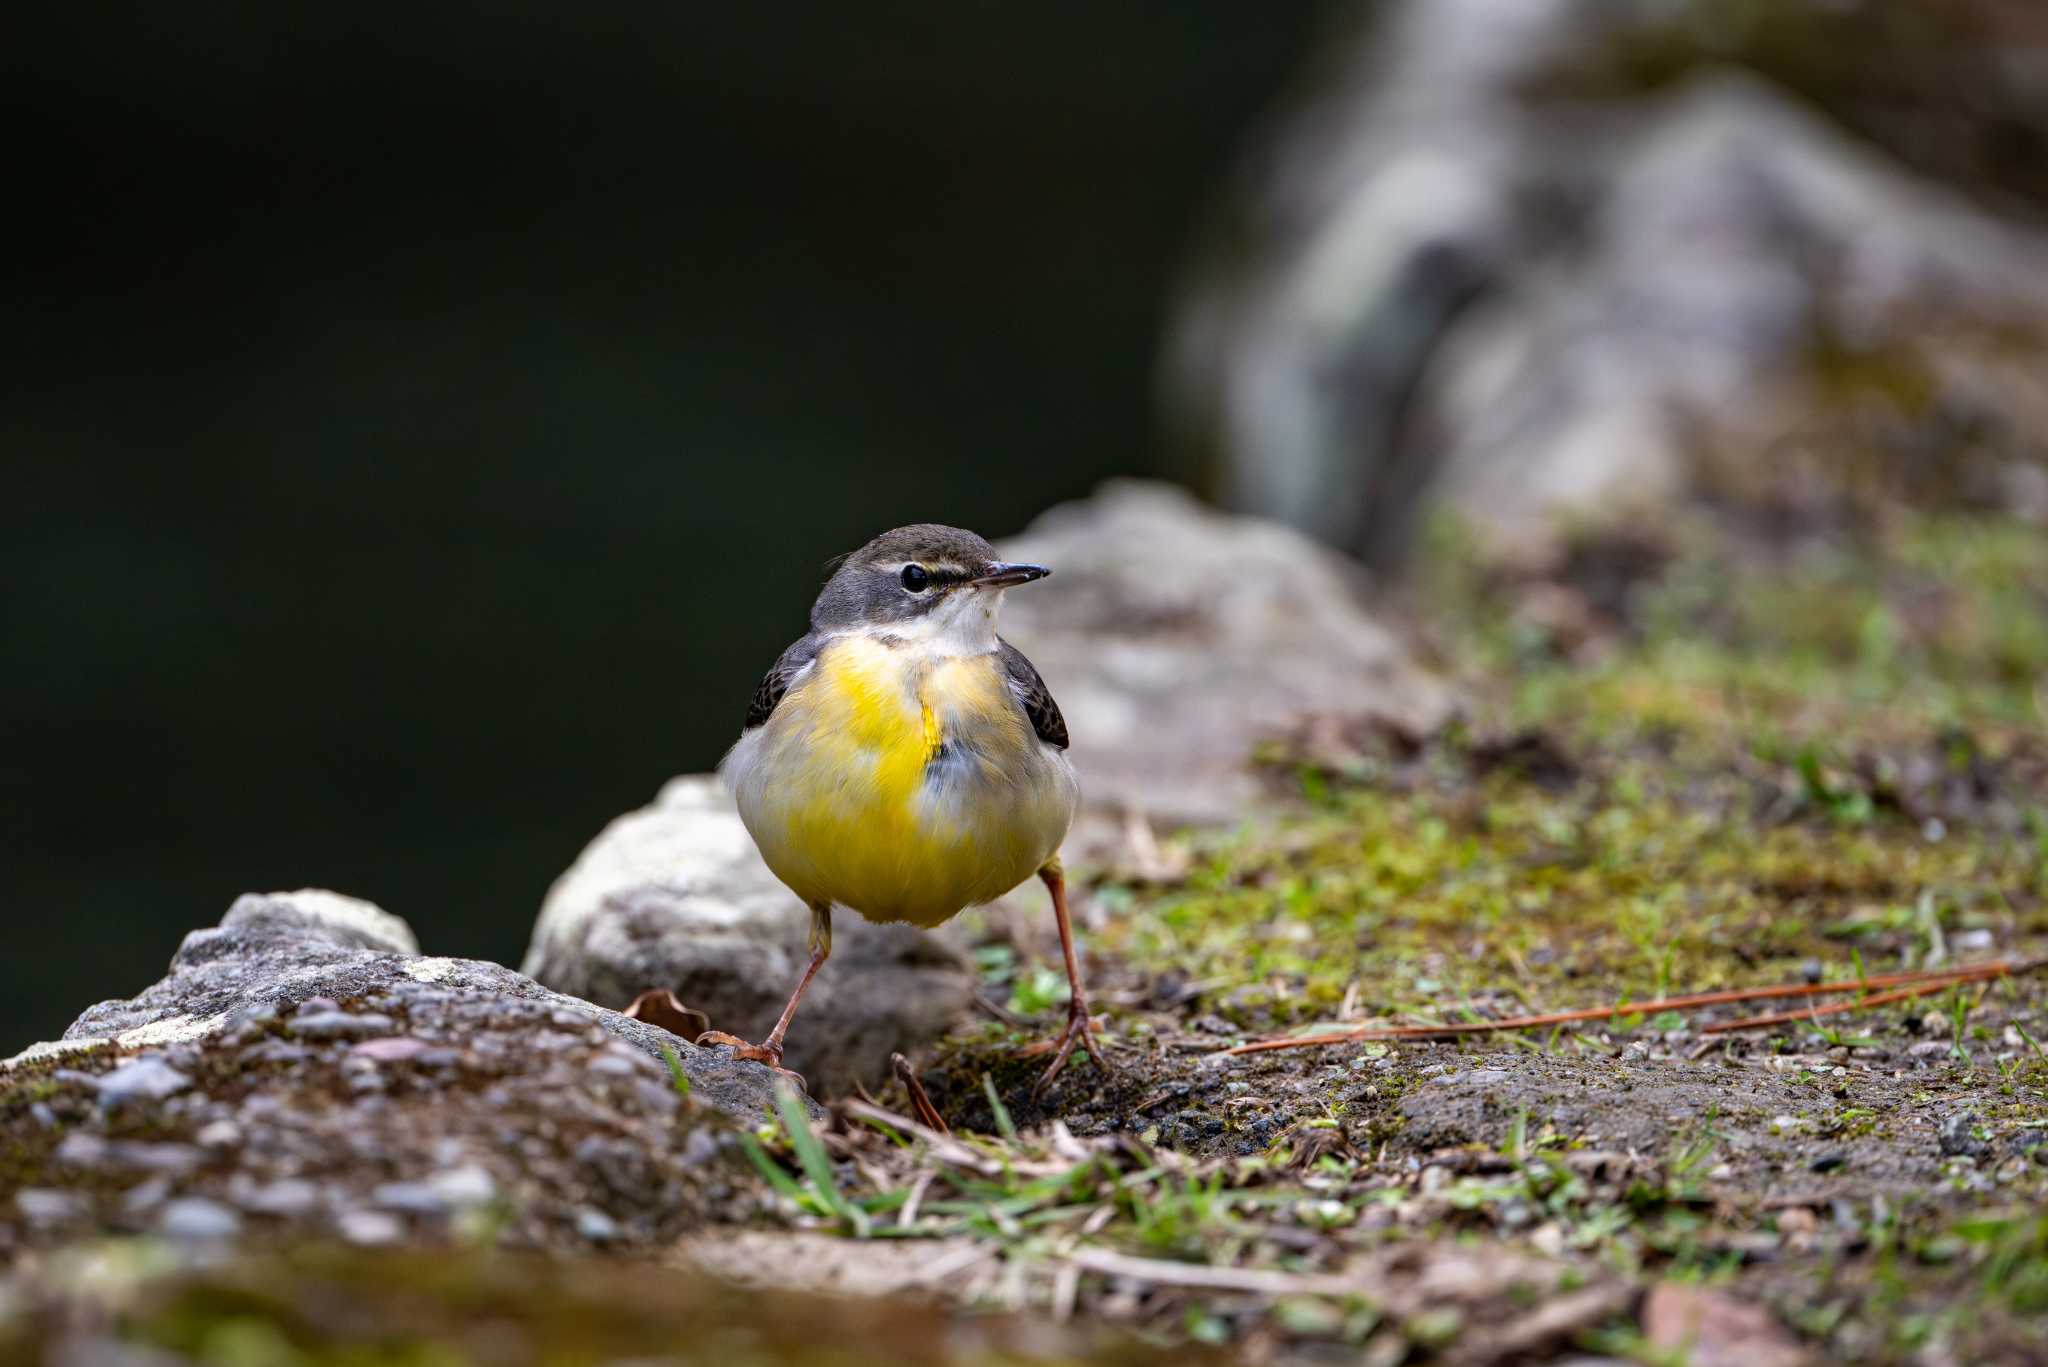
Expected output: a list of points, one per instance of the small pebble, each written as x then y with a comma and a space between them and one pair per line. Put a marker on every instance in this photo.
196, 1219
468, 1185
219, 1134
43, 1206
1828, 1162
339, 1025
147, 1078
287, 1196
413, 1198
394, 1049
1959, 1138
146, 1196
1797, 1220
90, 1153
596, 1226
369, 1227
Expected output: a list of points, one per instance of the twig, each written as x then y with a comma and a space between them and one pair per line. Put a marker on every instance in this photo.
1792, 1017
906, 1217
1257, 1281
945, 1148
1932, 980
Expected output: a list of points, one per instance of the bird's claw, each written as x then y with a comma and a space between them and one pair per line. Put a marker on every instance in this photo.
747, 1052
1079, 1031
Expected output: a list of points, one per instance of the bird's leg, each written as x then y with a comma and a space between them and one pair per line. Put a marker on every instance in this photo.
769, 1051
1078, 1030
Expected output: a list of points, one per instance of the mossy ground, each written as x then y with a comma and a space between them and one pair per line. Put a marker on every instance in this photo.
1695, 761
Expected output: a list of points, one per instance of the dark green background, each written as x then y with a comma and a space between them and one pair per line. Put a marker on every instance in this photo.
423, 423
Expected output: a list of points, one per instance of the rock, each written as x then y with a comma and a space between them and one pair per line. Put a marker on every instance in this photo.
147, 1078
347, 921
1712, 1329
370, 1228
337, 1025
675, 896
1959, 1136
1177, 639
1567, 256
46, 1208
198, 1220
275, 1113
391, 1050
596, 1226
1736, 246
288, 1196
316, 948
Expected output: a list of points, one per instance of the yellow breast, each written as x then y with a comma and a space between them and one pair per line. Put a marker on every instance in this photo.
899, 785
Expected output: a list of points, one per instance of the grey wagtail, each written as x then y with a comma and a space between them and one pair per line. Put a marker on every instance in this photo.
904, 761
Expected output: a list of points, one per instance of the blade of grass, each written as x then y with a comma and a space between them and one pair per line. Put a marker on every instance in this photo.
1005, 1126
817, 1165
678, 1079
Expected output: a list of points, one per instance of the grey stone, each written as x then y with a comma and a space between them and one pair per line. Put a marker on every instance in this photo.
315, 950
455, 1189
596, 1226
1177, 639
338, 1025
287, 1196
47, 1207
400, 1050
468, 1185
410, 1198
198, 1220
1444, 276
86, 1152
145, 1197
370, 1227
676, 896
147, 1078
1959, 1136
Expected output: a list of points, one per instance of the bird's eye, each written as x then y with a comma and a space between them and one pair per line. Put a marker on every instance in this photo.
916, 578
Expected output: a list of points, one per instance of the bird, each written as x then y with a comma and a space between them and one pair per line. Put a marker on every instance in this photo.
902, 761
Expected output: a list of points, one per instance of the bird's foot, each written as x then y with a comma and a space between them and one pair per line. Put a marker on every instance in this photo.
1080, 1030
769, 1053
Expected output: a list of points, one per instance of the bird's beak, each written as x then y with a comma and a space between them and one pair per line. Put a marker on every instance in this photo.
1006, 576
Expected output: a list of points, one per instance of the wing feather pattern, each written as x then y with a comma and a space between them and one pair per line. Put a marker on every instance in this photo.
781, 675
1035, 698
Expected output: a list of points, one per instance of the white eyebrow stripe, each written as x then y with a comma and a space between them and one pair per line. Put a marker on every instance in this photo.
935, 566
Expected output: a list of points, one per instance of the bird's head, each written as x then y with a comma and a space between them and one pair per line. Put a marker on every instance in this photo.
922, 583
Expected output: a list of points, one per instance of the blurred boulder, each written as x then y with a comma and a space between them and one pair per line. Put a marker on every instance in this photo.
675, 896
1177, 639
1552, 259
274, 952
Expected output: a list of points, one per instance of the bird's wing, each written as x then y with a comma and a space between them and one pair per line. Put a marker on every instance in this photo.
790, 664
1035, 698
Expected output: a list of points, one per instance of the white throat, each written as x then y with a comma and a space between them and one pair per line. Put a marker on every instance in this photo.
962, 623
